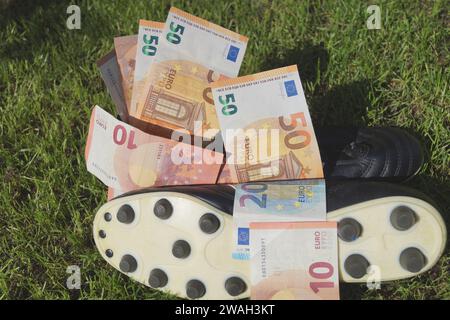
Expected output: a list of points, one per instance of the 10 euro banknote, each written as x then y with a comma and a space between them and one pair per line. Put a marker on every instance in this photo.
294, 261
126, 159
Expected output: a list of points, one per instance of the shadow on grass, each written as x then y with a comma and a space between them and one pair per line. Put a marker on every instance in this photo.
311, 59
13, 9
438, 190
41, 24
35, 24
341, 105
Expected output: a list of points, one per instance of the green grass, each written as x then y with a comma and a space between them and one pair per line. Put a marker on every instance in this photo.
398, 75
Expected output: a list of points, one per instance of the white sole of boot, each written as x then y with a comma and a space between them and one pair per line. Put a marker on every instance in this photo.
182, 251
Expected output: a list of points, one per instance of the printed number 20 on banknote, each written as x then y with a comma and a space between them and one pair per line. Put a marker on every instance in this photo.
274, 201
294, 261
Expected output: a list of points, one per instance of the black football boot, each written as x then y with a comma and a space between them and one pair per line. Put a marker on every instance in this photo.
388, 153
180, 238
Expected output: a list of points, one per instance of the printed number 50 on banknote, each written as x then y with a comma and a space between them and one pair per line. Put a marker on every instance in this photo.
266, 127
192, 53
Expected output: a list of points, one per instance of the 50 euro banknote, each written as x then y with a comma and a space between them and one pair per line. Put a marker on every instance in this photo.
113, 72
294, 261
147, 46
266, 128
125, 158
192, 53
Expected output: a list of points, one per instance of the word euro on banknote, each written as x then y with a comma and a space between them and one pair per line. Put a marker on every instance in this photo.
126, 159
147, 46
126, 57
266, 127
192, 54
274, 201
294, 261
110, 73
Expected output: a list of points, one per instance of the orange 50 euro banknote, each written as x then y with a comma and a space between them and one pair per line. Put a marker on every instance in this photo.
192, 53
266, 128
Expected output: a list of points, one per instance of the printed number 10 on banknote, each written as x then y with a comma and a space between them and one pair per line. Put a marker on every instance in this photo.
294, 261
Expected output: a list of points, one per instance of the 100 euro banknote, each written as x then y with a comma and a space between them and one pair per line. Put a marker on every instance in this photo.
126, 57
192, 53
294, 261
266, 127
147, 46
274, 201
125, 158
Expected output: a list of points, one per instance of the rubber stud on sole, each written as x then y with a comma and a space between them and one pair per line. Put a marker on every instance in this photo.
107, 216
195, 289
128, 263
181, 249
349, 229
158, 278
109, 253
102, 234
235, 286
356, 266
402, 218
125, 214
163, 209
209, 223
412, 260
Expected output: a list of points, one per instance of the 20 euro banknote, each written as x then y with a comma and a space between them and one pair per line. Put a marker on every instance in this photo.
274, 201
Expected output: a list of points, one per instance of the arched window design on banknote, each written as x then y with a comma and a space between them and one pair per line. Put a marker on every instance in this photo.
172, 108
286, 167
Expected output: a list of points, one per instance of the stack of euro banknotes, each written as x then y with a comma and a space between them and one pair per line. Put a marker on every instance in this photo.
186, 118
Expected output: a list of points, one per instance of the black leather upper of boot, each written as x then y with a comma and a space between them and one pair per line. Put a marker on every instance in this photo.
380, 153
218, 196
339, 194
